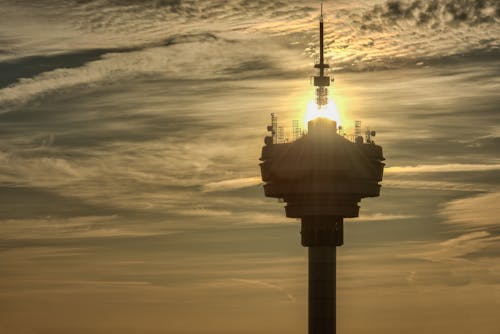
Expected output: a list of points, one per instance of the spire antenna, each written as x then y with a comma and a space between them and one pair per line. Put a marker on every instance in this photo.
321, 81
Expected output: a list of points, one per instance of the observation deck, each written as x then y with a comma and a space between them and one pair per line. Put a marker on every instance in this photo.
322, 174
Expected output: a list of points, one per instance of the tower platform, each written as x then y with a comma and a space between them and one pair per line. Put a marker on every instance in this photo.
322, 174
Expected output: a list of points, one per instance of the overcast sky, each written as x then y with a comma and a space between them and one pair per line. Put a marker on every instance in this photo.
130, 195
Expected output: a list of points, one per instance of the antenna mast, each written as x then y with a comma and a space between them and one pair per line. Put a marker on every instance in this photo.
321, 81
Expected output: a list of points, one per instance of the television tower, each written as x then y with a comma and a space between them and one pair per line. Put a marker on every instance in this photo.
322, 176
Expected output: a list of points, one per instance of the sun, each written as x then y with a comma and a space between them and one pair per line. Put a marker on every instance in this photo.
329, 111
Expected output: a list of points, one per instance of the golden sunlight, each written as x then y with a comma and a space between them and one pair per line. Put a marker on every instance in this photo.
329, 111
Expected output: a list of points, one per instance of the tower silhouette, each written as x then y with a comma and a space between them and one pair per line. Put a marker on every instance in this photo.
322, 176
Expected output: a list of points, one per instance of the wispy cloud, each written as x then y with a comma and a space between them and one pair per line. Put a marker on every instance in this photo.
455, 249
232, 184
264, 284
442, 168
40, 171
474, 212
209, 59
436, 185
74, 227
382, 217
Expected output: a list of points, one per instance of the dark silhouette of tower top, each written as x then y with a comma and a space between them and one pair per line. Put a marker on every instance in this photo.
322, 176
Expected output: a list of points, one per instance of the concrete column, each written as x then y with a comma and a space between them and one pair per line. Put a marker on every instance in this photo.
322, 290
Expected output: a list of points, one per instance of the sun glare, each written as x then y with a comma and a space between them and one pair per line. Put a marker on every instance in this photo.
329, 111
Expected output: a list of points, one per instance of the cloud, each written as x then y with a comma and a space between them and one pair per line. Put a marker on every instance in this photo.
27, 67
203, 212
456, 249
259, 283
359, 36
73, 227
41, 171
110, 67
405, 33
232, 184
442, 168
106, 284
40, 253
475, 212
435, 185
434, 12
211, 59
382, 217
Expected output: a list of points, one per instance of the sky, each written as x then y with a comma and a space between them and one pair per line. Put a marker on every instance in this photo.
130, 191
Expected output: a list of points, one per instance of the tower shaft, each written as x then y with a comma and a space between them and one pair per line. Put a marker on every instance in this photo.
322, 234
322, 290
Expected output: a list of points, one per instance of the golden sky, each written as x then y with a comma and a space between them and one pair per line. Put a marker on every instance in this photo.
130, 195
